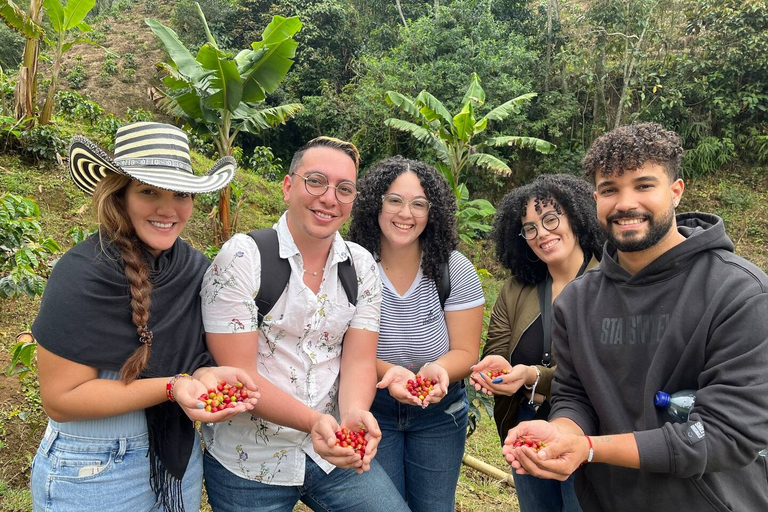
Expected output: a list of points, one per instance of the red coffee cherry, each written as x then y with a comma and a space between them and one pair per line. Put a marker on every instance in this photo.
223, 396
354, 439
524, 441
420, 387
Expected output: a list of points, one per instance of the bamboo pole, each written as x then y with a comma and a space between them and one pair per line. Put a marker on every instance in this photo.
488, 469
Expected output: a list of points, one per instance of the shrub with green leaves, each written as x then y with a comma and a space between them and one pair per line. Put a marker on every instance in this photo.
24, 252
110, 66
43, 142
129, 61
76, 77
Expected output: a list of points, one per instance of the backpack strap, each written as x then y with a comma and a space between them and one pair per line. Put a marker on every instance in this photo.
444, 286
279, 271
272, 265
348, 277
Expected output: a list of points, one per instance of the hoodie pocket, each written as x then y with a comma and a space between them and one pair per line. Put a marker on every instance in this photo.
710, 496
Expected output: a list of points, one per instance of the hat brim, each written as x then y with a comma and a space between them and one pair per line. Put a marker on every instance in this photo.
88, 164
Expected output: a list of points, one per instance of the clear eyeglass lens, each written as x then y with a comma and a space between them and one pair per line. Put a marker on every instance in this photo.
317, 184
550, 222
394, 204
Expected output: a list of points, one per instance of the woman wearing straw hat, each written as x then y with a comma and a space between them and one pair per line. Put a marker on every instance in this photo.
120, 336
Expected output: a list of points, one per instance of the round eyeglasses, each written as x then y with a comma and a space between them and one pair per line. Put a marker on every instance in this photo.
393, 203
550, 222
317, 183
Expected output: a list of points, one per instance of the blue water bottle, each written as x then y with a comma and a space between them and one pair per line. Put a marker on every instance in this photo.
678, 404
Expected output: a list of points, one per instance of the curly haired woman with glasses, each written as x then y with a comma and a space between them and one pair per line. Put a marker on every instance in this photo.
546, 234
406, 216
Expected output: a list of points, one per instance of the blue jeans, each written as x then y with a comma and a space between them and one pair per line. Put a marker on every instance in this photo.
421, 449
538, 494
339, 490
77, 474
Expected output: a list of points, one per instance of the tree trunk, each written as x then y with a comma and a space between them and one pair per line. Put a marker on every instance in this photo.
630, 55
400, 11
600, 108
25, 93
548, 61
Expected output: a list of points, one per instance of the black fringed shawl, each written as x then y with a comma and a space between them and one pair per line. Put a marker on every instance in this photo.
85, 316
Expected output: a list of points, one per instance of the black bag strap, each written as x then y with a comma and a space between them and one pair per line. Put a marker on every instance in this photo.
272, 265
279, 272
348, 278
545, 303
444, 287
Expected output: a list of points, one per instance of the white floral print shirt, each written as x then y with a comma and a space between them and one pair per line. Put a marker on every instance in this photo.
299, 347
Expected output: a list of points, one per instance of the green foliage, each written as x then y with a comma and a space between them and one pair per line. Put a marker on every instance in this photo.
76, 77
11, 46
43, 142
79, 234
65, 20
24, 252
22, 358
74, 106
264, 163
710, 155
222, 17
453, 136
474, 218
110, 66
129, 61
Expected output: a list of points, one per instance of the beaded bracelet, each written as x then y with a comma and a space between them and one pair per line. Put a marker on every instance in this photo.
171, 383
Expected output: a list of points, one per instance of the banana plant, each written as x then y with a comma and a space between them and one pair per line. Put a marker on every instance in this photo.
64, 19
29, 25
454, 137
219, 94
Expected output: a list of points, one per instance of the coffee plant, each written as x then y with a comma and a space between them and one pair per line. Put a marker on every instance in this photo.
24, 252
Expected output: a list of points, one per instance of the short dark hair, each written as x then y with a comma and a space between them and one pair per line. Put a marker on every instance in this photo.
629, 147
570, 195
439, 237
326, 142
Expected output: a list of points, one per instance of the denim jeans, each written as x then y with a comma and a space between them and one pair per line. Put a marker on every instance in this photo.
538, 494
76, 474
339, 490
421, 449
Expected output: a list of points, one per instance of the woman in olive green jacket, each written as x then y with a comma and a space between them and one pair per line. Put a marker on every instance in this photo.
546, 234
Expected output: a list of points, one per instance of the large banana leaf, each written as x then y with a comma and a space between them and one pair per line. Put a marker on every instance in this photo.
423, 135
475, 92
464, 123
405, 103
185, 62
255, 120
539, 145
75, 12
502, 111
265, 73
16, 19
432, 108
224, 80
489, 162
55, 12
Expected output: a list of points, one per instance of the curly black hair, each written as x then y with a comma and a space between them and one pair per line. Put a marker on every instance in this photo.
568, 194
629, 147
439, 237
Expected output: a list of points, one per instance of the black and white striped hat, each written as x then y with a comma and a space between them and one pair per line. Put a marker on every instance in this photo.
155, 154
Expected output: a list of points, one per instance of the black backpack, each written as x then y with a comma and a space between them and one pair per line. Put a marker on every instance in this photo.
279, 271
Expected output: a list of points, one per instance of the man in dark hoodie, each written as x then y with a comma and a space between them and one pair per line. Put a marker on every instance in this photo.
671, 307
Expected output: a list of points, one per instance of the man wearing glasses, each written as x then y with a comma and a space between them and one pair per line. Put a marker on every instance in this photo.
286, 450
